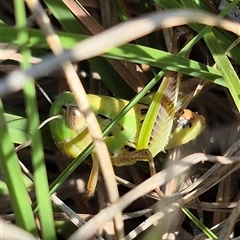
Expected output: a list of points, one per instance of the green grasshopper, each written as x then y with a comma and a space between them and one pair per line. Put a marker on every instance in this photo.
142, 133
71, 136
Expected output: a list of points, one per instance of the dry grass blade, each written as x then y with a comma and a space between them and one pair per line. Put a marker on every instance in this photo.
9, 51
13, 232
152, 220
209, 179
229, 224
159, 179
130, 72
145, 25
211, 207
234, 149
227, 188
213, 176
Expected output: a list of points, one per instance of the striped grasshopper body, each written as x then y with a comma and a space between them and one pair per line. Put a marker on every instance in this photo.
71, 136
70, 133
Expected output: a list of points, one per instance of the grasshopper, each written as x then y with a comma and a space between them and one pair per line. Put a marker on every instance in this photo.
141, 133
71, 136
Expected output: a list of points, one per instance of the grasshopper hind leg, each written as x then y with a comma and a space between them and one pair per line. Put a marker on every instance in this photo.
138, 155
128, 159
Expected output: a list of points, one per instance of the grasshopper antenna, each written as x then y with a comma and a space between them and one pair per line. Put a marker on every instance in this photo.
27, 143
44, 93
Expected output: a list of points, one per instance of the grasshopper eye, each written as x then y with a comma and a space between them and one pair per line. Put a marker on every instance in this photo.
189, 126
74, 118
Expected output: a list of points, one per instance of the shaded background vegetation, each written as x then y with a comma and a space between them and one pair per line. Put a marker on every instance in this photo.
124, 80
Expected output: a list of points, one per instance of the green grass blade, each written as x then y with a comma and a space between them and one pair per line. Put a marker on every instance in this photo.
70, 169
17, 127
13, 177
226, 37
225, 67
217, 50
64, 16
219, 55
121, 10
18, 131
68, 40
200, 225
39, 168
134, 53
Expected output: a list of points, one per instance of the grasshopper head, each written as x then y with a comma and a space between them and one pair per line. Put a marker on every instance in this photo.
189, 126
70, 128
